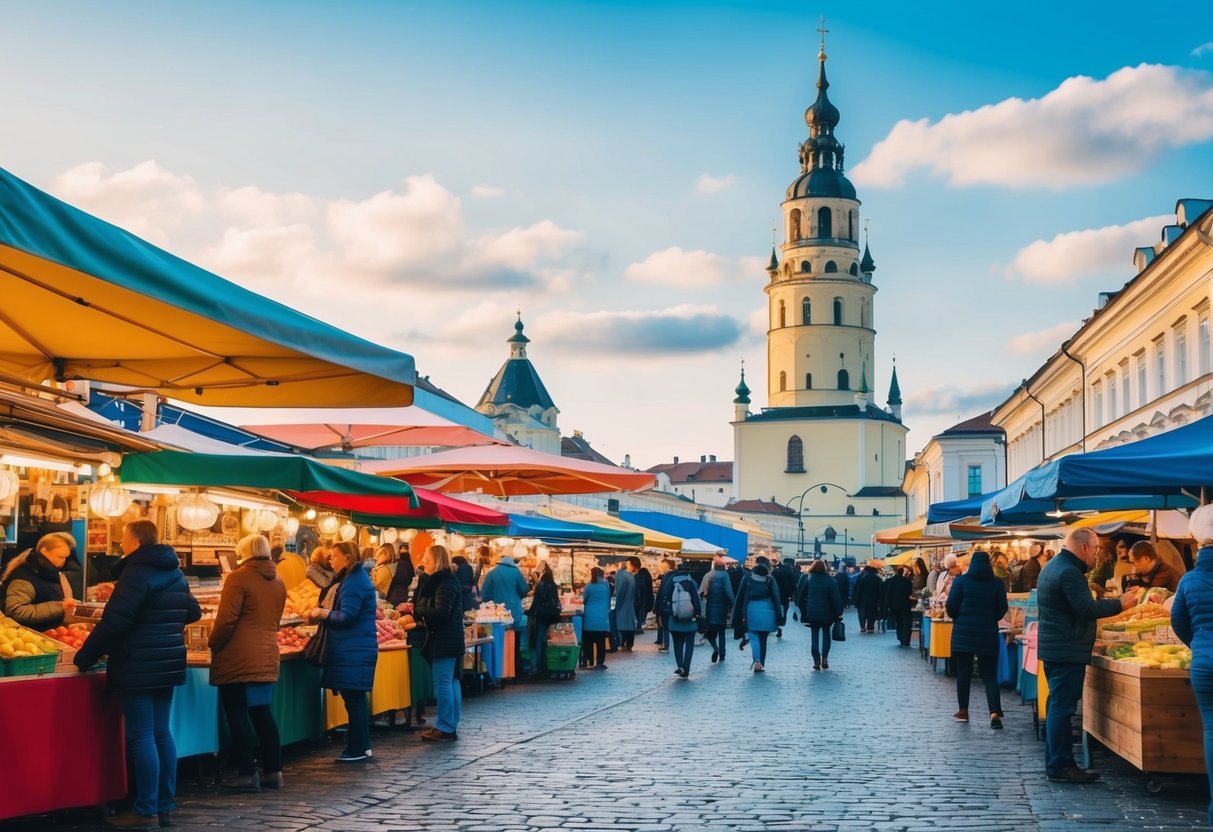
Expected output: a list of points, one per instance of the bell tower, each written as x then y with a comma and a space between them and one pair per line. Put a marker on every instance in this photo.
821, 333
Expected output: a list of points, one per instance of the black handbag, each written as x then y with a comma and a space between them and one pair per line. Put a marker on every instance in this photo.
313, 651
703, 624
839, 631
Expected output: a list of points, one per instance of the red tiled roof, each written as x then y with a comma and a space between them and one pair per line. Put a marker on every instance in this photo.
978, 424
759, 507
695, 471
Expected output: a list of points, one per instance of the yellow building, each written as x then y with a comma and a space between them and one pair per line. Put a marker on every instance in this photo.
822, 446
1140, 365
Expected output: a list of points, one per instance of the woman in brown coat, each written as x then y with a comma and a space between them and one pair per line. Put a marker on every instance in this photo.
244, 661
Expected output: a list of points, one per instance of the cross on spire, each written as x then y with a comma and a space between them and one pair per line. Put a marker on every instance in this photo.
824, 31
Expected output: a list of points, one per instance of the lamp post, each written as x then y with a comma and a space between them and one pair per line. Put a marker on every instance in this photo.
824, 486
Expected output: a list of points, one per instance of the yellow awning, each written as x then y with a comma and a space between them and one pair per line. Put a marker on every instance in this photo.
652, 539
901, 559
907, 533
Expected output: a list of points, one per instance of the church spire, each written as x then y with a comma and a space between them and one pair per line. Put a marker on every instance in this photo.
742, 390
822, 150
773, 266
518, 341
895, 394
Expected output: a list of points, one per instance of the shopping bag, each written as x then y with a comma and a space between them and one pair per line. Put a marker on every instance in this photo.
839, 631
313, 651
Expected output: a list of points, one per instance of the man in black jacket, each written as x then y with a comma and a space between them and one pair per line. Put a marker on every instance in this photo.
897, 594
785, 576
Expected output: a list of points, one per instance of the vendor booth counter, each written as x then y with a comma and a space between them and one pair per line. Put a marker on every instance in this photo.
85, 767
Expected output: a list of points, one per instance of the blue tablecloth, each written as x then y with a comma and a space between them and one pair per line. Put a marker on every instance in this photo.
194, 719
494, 654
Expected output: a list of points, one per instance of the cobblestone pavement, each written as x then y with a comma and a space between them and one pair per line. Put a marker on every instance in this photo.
867, 745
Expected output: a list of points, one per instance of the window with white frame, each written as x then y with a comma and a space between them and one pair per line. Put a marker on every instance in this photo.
1160, 368
1097, 403
1113, 401
1181, 355
1202, 334
1126, 401
1139, 361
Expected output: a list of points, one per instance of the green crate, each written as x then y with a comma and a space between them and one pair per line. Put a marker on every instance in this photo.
562, 658
29, 665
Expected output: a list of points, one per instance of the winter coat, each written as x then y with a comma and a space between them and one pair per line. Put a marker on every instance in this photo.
352, 649
717, 591
666, 602
33, 592
402, 579
976, 604
1067, 611
505, 585
439, 605
1161, 575
646, 599
1031, 573
786, 577
1192, 610
244, 641
758, 609
897, 594
142, 628
596, 597
544, 611
867, 591
467, 586
819, 600
843, 581
292, 569
625, 601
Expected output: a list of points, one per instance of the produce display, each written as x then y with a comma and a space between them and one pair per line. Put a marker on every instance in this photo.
302, 599
16, 642
1142, 617
391, 624
291, 640
72, 635
1154, 656
101, 592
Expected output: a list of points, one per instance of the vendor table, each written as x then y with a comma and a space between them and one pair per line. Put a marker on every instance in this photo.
297, 705
500, 660
482, 651
389, 692
194, 719
1147, 716
87, 763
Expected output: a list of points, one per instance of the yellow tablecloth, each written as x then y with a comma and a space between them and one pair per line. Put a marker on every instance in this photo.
1042, 690
941, 640
390, 691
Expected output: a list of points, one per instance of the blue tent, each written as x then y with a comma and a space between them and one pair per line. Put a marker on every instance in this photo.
1165, 471
554, 530
952, 510
734, 542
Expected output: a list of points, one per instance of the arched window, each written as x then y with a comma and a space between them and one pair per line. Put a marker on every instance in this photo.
806, 267
863, 313
825, 227
808, 381
855, 269
844, 380
783, 315
795, 456
806, 312
850, 225
837, 311
783, 381
794, 225
831, 267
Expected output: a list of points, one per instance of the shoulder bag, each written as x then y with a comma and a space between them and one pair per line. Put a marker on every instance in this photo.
839, 631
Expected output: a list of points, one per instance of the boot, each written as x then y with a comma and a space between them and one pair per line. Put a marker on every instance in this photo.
270, 781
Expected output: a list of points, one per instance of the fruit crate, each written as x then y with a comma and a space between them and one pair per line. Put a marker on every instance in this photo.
29, 665
562, 659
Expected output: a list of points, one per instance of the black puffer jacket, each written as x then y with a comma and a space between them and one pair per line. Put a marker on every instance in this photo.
976, 603
819, 600
439, 605
141, 629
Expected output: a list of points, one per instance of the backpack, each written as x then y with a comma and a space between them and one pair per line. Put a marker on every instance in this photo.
682, 607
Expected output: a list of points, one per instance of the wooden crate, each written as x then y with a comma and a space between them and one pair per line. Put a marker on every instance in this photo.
1148, 717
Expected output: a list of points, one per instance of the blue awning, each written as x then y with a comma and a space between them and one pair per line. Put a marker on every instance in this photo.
735, 542
563, 531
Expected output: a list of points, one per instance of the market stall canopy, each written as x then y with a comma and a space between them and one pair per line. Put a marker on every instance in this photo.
949, 511
506, 470
652, 539
900, 535
84, 299
303, 479
552, 529
440, 510
699, 549
34, 425
902, 558
368, 428
730, 540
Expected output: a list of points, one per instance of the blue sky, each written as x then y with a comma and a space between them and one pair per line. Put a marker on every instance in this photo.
416, 172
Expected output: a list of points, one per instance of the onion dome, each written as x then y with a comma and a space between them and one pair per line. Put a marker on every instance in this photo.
821, 157
867, 265
742, 391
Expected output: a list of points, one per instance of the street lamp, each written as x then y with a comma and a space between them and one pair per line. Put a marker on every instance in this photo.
824, 486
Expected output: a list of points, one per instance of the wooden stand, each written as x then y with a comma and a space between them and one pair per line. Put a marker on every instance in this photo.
1148, 717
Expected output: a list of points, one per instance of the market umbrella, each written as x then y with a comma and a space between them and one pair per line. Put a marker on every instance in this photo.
368, 428
652, 539
506, 470
696, 548
84, 299
436, 509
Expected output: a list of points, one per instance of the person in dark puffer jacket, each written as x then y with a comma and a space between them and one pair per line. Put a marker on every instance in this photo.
820, 605
717, 592
35, 592
141, 631
439, 606
976, 603
351, 649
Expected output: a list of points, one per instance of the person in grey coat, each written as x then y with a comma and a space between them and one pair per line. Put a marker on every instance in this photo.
717, 592
625, 603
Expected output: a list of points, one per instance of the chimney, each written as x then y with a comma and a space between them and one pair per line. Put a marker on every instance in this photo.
627, 460
702, 458
712, 458
675, 460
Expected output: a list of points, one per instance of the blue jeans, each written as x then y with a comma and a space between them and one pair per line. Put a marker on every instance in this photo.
448, 695
684, 648
758, 647
821, 635
1202, 686
358, 731
1065, 689
153, 754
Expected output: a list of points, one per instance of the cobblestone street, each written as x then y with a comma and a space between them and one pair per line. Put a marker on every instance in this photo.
868, 744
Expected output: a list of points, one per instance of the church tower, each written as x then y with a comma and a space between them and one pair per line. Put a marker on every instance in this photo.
822, 446
518, 402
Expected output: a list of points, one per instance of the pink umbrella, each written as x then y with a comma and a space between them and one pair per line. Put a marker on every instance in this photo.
369, 427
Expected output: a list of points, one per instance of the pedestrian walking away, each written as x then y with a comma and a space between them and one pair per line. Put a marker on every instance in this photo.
717, 592
680, 607
867, 597
976, 604
820, 605
625, 603
899, 590
1065, 638
596, 621
758, 612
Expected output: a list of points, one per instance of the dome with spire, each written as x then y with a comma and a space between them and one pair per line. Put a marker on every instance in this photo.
867, 265
742, 391
821, 157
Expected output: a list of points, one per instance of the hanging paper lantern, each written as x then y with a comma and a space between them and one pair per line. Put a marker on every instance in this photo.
10, 484
267, 520
520, 549
292, 526
195, 512
328, 524
456, 542
417, 546
109, 500
348, 531
389, 535
542, 552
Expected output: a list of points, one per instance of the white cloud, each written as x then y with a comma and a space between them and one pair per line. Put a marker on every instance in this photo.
271, 255
677, 330
960, 402
708, 184
1084, 132
253, 206
519, 248
1202, 49
688, 269
146, 200
487, 191
1044, 342
1074, 255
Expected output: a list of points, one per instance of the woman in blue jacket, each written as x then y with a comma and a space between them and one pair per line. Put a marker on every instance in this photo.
976, 603
596, 624
1192, 620
351, 648
758, 612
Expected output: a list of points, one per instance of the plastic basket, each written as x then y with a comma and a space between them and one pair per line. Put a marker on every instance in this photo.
561, 658
29, 665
